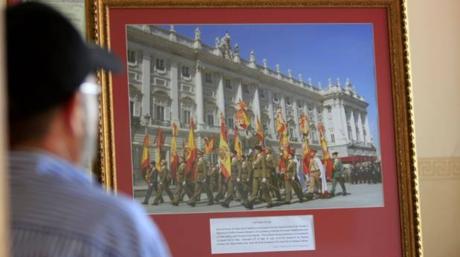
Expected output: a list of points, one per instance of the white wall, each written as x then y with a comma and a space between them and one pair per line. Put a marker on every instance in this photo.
434, 31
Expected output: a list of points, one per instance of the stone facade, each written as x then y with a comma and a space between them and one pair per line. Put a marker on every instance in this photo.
173, 78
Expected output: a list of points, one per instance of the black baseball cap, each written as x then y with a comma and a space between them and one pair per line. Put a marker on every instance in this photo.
47, 59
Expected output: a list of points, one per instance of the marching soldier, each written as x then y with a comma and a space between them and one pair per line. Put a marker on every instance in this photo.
152, 182
232, 180
243, 179
338, 175
259, 179
272, 176
315, 174
200, 182
180, 184
163, 184
213, 172
221, 185
290, 180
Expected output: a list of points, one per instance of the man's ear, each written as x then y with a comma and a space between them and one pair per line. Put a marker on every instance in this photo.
73, 114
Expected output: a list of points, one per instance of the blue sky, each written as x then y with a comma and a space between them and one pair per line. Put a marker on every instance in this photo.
318, 51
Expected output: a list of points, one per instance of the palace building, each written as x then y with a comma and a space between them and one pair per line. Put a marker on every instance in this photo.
173, 78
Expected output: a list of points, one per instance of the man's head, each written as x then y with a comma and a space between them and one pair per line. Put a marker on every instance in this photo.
335, 155
52, 91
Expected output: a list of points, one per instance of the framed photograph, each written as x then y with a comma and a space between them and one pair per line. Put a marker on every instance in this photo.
262, 128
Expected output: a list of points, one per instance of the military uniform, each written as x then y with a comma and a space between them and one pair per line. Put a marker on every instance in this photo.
180, 185
164, 179
221, 185
315, 175
260, 181
272, 176
338, 177
201, 183
152, 183
290, 182
244, 180
232, 181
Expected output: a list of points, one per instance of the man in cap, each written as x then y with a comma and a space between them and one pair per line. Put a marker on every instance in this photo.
52, 113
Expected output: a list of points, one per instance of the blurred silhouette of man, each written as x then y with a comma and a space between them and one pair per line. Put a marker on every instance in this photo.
52, 100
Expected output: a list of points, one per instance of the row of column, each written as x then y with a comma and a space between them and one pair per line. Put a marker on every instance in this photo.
358, 128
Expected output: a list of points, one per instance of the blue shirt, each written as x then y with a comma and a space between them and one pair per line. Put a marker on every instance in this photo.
56, 212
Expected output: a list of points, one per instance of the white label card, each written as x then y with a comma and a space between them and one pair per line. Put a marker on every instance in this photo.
262, 234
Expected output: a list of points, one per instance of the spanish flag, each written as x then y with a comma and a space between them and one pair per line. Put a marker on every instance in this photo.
224, 150
281, 126
260, 131
306, 157
174, 156
328, 163
237, 144
192, 150
304, 125
159, 144
242, 117
208, 145
283, 135
145, 160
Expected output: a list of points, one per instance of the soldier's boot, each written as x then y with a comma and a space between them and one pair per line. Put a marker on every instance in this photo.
191, 203
309, 196
249, 205
227, 201
210, 199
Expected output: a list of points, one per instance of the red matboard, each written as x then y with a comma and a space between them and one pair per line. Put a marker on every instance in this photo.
339, 232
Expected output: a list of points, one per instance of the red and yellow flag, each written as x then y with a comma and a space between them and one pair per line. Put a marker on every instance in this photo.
237, 144
145, 160
282, 130
242, 117
224, 150
159, 141
260, 132
306, 158
174, 162
191, 146
328, 163
304, 125
279, 123
208, 145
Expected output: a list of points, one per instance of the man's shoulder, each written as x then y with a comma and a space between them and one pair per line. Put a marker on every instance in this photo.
89, 212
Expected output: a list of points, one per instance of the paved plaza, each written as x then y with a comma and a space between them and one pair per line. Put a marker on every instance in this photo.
362, 195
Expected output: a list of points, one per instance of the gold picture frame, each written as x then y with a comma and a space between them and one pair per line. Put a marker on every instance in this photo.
98, 18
